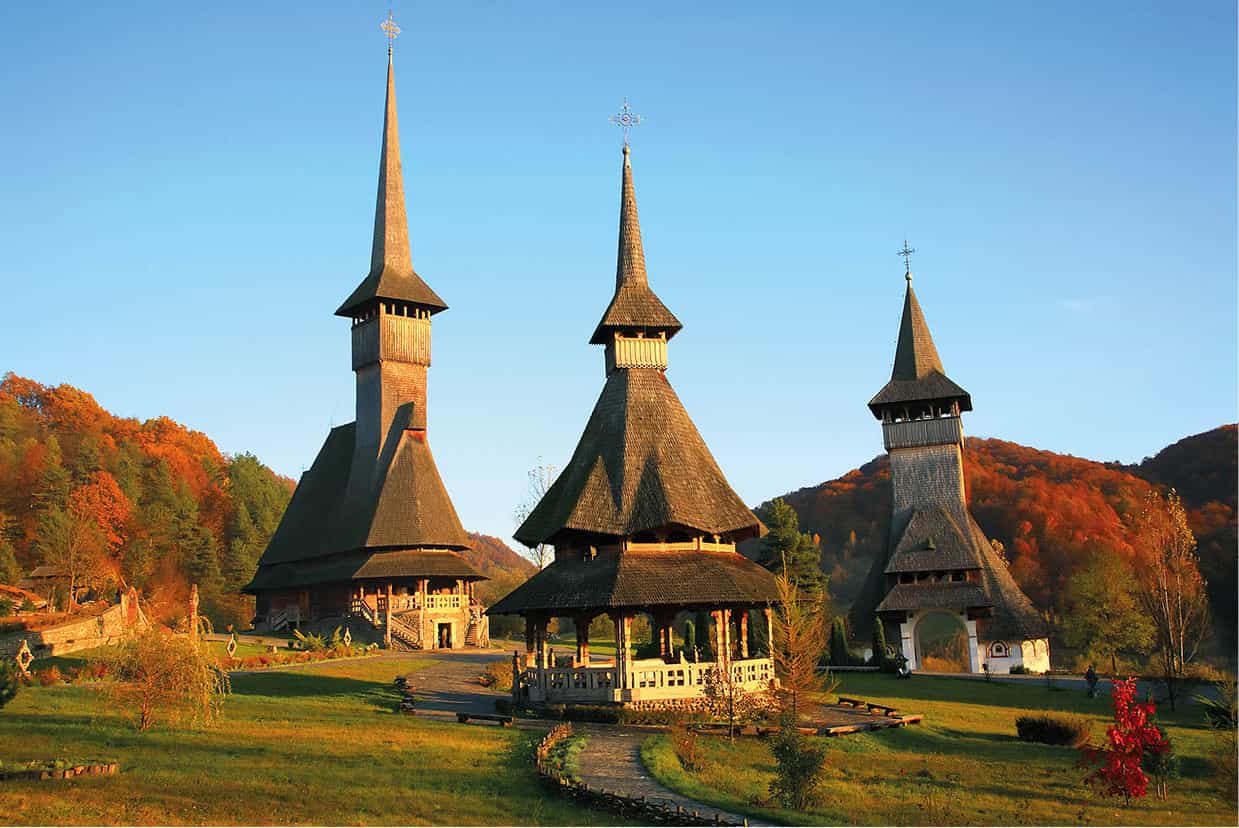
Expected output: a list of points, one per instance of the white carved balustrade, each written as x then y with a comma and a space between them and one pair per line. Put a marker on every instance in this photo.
644, 680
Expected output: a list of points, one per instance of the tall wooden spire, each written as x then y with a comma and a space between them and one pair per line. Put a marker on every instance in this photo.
635, 307
391, 224
391, 275
630, 261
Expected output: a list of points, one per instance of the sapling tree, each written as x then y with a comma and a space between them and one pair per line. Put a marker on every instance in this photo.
1169, 585
539, 481
799, 641
164, 676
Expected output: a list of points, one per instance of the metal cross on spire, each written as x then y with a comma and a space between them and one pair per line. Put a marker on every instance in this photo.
390, 29
625, 119
907, 259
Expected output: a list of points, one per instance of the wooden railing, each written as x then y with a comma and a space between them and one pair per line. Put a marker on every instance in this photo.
364, 610
405, 633
646, 679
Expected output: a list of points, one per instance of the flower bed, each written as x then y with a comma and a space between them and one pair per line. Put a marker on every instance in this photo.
285, 657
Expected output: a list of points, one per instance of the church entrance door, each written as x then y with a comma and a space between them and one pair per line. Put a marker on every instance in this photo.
445, 636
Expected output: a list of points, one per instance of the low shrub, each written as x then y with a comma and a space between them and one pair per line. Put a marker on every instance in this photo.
1053, 729
684, 743
6, 606
10, 681
800, 764
48, 677
498, 676
503, 706
95, 671
1019, 670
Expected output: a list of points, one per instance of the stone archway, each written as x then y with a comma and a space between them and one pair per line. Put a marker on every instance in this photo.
948, 638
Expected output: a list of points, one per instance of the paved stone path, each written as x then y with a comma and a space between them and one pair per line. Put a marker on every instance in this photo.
612, 760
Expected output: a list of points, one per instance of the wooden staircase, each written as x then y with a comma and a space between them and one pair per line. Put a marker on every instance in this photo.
406, 635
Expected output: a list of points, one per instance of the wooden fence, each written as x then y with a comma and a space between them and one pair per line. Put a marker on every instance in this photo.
637, 808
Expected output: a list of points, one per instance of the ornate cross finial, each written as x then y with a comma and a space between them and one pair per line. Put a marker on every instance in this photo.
390, 29
625, 119
907, 259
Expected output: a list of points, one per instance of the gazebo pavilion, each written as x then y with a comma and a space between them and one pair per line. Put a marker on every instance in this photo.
642, 521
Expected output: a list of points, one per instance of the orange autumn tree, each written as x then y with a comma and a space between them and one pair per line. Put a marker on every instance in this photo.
150, 503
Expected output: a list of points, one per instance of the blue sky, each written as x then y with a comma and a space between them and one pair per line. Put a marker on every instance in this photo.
187, 191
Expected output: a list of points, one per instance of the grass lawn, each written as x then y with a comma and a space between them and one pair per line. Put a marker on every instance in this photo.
316, 745
961, 766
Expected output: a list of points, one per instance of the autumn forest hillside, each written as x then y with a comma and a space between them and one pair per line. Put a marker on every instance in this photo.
1048, 511
150, 504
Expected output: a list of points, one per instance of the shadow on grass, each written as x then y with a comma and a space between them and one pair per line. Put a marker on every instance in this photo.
291, 685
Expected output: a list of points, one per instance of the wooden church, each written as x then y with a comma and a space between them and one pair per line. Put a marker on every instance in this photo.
938, 561
643, 522
370, 535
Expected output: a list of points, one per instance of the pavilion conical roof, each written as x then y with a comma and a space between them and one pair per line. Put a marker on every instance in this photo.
391, 273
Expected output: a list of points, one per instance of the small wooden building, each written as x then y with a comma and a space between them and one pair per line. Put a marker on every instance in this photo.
939, 562
370, 533
643, 522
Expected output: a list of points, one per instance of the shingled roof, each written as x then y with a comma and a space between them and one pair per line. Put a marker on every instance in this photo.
642, 579
640, 465
391, 265
634, 306
407, 508
917, 375
932, 541
958, 544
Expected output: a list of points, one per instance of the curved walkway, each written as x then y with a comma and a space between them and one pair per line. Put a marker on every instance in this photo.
612, 760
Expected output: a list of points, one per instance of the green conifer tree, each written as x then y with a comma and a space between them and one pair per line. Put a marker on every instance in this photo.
786, 547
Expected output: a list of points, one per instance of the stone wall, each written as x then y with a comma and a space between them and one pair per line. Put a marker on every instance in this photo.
83, 633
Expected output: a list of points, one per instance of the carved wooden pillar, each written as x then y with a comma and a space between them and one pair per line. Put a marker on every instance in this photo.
531, 634
769, 613
582, 639
744, 633
720, 623
623, 654
387, 624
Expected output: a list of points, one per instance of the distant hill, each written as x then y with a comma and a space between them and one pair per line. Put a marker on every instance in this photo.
1046, 509
504, 568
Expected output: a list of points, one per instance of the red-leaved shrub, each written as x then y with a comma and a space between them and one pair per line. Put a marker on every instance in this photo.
1132, 733
49, 676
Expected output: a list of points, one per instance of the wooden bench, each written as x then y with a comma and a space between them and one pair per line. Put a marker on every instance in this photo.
504, 721
871, 707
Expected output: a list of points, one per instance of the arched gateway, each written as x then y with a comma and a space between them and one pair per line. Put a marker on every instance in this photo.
642, 521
